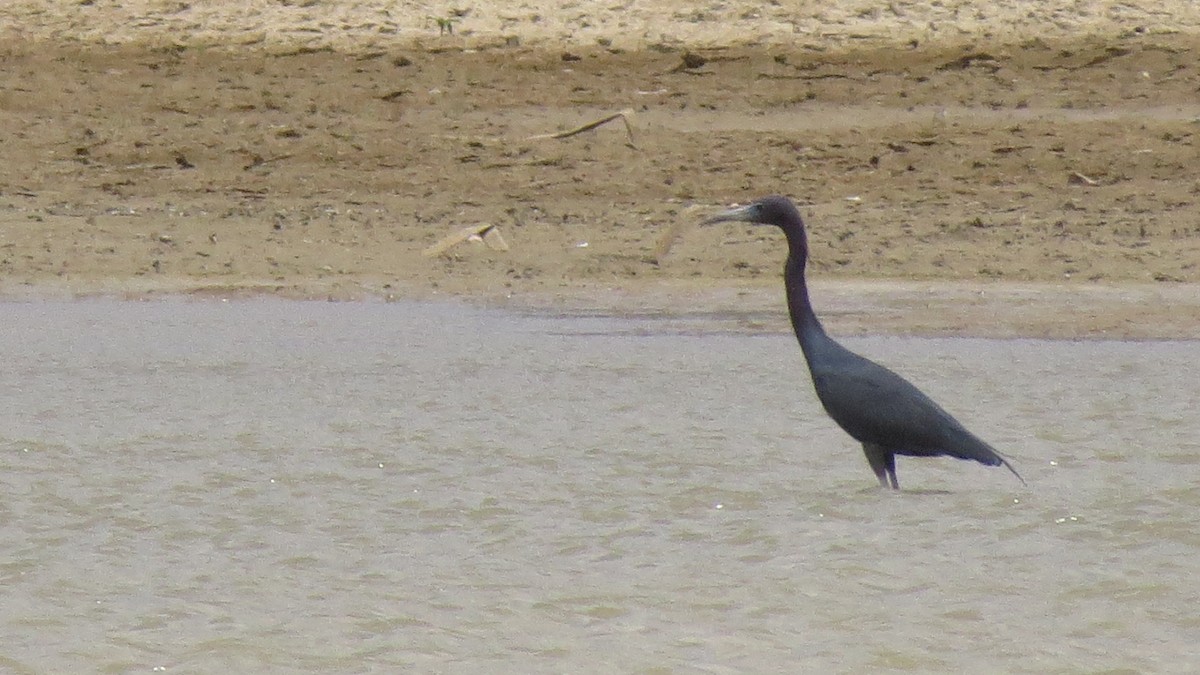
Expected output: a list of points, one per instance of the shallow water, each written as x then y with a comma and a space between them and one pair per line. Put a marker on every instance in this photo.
272, 486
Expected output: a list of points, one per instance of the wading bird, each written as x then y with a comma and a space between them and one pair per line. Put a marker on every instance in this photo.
877, 407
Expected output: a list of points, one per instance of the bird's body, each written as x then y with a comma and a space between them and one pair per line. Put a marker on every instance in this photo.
877, 407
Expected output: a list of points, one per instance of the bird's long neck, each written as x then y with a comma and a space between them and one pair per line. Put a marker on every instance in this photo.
808, 328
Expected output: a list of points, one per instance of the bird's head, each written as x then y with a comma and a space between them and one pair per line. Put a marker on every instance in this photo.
774, 210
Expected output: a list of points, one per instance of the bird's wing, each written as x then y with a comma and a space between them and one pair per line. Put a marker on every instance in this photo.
875, 405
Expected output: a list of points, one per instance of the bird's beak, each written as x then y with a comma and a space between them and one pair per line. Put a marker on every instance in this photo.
740, 214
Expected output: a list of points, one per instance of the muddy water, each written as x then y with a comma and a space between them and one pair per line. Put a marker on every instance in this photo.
272, 486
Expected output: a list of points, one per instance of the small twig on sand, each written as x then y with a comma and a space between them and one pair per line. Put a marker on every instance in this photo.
667, 239
624, 115
682, 223
1076, 178
486, 231
257, 160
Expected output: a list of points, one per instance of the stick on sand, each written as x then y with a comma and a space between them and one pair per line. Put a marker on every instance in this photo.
624, 115
487, 231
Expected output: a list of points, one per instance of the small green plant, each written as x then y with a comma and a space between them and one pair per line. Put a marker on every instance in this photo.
445, 24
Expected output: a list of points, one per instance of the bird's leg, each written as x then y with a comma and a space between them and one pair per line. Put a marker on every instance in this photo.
891, 470
883, 463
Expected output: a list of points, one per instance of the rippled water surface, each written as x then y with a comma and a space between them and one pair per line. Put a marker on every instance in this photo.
271, 486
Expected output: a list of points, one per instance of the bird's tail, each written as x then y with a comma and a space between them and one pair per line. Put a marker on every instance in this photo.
1004, 461
971, 446
981, 451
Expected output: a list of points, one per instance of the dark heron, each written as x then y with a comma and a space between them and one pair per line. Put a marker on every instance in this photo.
877, 407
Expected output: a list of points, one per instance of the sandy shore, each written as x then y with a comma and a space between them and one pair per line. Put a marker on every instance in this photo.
364, 25
967, 168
